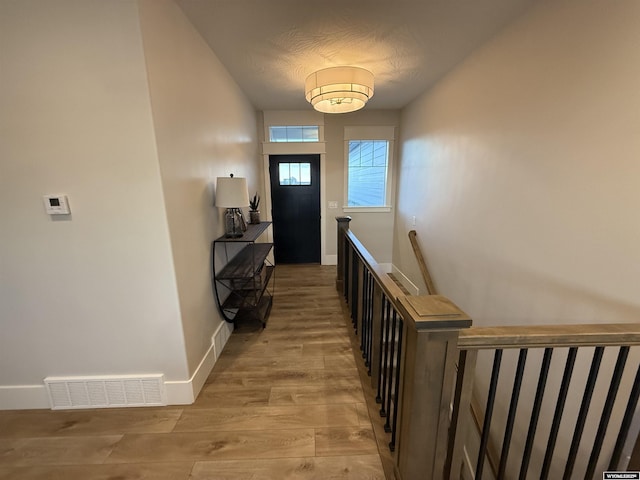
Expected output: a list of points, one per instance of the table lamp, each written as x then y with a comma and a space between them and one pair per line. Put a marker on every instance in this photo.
232, 194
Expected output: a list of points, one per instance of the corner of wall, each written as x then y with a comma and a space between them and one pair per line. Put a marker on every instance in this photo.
185, 392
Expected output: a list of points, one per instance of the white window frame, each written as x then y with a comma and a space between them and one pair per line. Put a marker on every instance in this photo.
287, 129
369, 133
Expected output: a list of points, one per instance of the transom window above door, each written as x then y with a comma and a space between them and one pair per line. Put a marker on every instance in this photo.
294, 173
294, 133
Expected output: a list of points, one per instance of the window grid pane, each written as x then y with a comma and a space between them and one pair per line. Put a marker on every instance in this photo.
367, 173
294, 133
295, 174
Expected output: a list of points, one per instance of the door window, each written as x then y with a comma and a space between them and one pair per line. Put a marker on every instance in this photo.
294, 173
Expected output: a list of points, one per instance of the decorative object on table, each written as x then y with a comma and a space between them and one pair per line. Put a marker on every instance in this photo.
339, 89
254, 212
232, 194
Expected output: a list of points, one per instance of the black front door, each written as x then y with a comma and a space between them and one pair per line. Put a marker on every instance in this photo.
295, 207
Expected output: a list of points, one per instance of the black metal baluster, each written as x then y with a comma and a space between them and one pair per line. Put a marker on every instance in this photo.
626, 422
387, 348
367, 316
584, 410
370, 323
392, 444
363, 309
513, 406
383, 347
606, 410
535, 412
347, 263
557, 416
387, 425
455, 412
484, 440
354, 290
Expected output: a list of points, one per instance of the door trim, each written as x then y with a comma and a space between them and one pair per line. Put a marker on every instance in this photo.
299, 149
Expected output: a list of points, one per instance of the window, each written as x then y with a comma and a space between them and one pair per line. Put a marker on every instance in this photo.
368, 152
367, 173
298, 133
295, 174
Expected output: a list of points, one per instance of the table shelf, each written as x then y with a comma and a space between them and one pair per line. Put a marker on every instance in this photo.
245, 283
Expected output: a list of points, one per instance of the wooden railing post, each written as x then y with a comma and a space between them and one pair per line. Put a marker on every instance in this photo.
431, 327
343, 226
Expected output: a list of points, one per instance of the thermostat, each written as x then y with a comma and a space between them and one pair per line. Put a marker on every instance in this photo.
56, 205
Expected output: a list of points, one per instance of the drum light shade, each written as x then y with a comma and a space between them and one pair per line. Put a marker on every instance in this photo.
339, 89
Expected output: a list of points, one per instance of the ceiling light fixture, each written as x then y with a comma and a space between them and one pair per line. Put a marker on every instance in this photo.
339, 89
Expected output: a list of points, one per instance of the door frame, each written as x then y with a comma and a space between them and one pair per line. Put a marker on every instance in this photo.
299, 149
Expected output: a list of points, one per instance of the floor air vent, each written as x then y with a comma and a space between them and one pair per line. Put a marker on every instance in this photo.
105, 391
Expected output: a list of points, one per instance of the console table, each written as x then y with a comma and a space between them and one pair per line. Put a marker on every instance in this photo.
245, 282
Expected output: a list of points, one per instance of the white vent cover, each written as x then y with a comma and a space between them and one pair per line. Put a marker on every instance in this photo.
105, 391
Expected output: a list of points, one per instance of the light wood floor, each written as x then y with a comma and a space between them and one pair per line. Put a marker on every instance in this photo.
285, 402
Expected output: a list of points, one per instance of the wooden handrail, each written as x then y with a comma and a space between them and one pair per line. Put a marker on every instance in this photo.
390, 288
431, 289
540, 336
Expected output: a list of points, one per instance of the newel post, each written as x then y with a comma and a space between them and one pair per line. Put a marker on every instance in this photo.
343, 226
431, 327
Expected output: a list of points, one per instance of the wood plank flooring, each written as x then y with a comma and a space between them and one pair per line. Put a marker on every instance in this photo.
281, 403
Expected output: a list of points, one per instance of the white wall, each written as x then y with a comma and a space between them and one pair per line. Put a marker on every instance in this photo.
522, 169
205, 128
94, 293
122, 286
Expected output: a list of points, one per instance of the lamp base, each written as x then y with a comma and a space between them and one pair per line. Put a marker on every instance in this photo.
233, 222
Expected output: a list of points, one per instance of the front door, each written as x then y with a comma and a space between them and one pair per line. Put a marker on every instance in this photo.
295, 207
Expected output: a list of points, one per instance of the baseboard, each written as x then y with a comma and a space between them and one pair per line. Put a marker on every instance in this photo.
386, 267
183, 392
330, 260
23, 397
408, 284
467, 469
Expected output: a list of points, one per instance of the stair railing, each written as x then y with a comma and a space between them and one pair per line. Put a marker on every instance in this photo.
422, 354
408, 345
550, 341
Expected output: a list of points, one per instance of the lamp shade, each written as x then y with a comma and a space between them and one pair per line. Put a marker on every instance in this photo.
232, 192
339, 89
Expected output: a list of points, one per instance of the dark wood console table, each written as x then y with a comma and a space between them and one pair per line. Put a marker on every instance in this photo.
245, 282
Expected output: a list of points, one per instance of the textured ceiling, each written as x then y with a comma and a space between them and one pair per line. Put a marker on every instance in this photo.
270, 46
